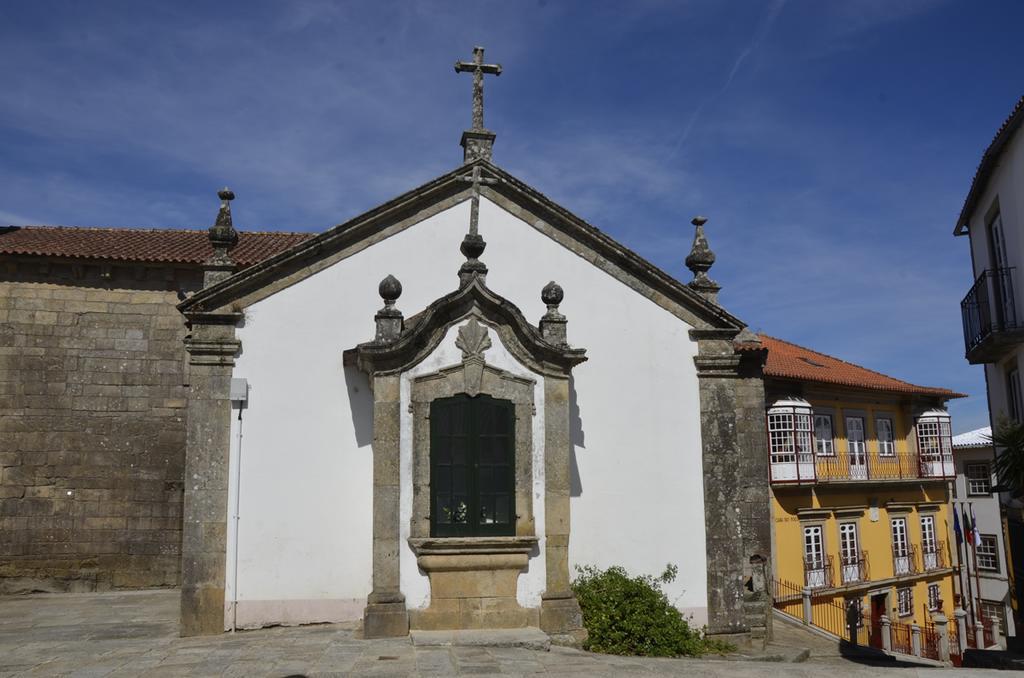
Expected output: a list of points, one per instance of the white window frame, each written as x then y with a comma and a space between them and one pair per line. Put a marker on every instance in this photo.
900, 546
990, 545
857, 449
886, 448
934, 596
849, 552
789, 436
824, 446
929, 544
978, 477
815, 560
905, 601
934, 445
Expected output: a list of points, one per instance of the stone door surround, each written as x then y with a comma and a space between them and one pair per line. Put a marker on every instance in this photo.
473, 579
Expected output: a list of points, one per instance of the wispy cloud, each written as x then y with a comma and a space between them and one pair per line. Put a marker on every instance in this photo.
760, 33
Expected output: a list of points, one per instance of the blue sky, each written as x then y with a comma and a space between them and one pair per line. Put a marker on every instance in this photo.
831, 144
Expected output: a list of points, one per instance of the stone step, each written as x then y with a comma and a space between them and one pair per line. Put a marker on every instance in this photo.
531, 638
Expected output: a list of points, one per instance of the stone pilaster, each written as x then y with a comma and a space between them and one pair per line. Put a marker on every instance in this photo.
560, 615
385, 615
212, 348
735, 478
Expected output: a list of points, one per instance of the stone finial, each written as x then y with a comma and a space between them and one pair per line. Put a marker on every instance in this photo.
223, 237
553, 323
472, 247
389, 319
700, 260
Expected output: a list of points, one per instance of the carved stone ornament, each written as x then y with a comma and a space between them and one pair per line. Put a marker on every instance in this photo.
473, 339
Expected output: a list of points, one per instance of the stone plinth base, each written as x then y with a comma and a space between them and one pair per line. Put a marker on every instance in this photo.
385, 620
562, 619
473, 583
202, 611
530, 638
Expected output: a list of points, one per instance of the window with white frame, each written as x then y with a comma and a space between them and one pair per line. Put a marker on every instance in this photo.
979, 479
789, 435
988, 553
824, 438
849, 553
855, 436
900, 547
905, 602
928, 533
886, 438
929, 546
934, 596
935, 441
815, 566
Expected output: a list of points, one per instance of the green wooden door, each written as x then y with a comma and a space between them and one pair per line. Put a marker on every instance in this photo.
472, 467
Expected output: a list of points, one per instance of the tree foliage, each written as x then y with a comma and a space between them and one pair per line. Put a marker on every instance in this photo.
1008, 438
627, 615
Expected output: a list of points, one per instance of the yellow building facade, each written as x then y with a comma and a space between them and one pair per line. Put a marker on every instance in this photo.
861, 468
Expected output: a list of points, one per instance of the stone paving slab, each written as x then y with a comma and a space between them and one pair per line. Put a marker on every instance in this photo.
134, 634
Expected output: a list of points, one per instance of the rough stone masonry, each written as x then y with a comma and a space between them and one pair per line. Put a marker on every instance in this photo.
92, 430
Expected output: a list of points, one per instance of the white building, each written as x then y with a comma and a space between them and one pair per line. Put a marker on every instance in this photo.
985, 566
446, 460
993, 219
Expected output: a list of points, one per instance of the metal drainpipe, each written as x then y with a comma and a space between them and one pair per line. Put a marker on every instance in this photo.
238, 492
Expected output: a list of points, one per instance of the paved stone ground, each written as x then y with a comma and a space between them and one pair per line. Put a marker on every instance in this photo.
135, 634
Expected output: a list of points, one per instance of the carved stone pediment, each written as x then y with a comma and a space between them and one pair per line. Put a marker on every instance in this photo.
473, 340
423, 332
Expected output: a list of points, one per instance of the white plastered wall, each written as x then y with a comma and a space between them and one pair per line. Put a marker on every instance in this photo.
304, 537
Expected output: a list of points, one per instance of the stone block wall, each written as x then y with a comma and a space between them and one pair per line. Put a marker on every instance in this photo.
92, 425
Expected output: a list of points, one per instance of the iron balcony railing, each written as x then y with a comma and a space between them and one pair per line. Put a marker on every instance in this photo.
933, 557
904, 560
818, 572
843, 466
989, 307
853, 568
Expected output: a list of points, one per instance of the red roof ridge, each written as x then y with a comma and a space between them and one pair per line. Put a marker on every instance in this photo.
138, 229
850, 381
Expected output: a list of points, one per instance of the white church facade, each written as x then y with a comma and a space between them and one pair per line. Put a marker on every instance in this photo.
404, 420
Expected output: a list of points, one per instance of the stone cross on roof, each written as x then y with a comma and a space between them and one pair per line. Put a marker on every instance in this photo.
474, 205
477, 67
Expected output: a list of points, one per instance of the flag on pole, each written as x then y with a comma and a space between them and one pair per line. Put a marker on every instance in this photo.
968, 528
975, 532
956, 527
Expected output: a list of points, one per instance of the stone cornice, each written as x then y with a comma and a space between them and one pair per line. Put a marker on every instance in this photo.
710, 366
420, 200
213, 352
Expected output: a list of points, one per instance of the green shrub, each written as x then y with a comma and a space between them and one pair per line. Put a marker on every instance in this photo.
632, 616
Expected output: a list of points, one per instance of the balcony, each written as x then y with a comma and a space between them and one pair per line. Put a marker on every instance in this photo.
844, 467
990, 319
934, 557
818, 572
853, 569
904, 561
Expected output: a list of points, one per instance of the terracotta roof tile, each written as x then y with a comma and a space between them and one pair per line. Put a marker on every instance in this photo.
139, 244
988, 163
790, 361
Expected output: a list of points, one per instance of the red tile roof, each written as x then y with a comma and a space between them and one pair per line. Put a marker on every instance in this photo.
139, 244
790, 361
988, 163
